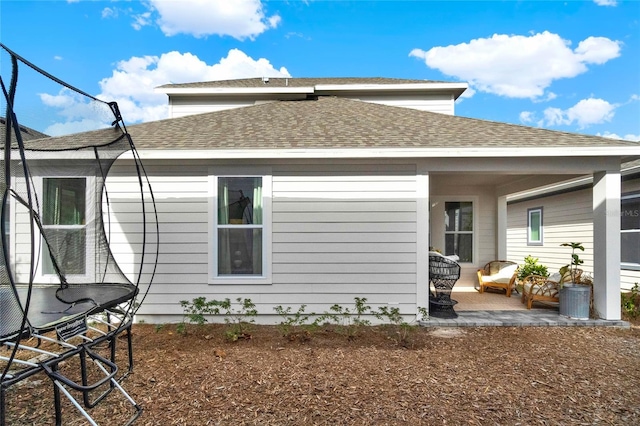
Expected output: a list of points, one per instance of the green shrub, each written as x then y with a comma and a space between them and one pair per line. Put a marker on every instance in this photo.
348, 322
631, 302
292, 322
238, 320
531, 267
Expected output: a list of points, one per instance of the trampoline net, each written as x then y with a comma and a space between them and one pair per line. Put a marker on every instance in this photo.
62, 209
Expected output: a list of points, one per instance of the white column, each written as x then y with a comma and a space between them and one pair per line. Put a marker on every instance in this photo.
501, 243
606, 244
422, 240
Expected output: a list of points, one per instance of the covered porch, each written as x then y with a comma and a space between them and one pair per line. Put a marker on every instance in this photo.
487, 186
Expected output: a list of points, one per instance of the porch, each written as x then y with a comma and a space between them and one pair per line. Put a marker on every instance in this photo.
494, 309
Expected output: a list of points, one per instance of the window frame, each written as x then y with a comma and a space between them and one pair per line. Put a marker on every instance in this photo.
630, 266
437, 222
89, 201
240, 172
531, 241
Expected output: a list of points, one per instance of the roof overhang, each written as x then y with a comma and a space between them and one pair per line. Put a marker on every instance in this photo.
622, 153
455, 88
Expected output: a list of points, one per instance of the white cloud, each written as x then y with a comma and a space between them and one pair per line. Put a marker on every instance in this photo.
585, 113
518, 66
527, 117
109, 12
606, 2
629, 137
132, 84
200, 18
141, 20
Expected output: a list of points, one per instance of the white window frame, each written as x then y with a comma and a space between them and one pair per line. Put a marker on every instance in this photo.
530, 212
89, 201
628, 265
245, 171
437, 217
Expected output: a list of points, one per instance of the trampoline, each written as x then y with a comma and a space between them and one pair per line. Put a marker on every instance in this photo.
63, 295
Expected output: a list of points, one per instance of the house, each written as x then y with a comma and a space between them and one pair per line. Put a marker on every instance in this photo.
317, 191
564, 211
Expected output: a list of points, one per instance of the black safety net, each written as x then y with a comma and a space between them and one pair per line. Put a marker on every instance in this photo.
78, 235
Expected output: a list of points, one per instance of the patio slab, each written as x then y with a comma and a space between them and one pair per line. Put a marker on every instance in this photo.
519, 318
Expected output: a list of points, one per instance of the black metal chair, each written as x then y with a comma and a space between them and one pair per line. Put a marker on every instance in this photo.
443, 274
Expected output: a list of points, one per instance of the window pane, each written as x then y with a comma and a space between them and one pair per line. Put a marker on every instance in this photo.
239, 200
630, 214
535, 226
239, 251
458, 216
461, 245
630, 247
68, 247
64, 201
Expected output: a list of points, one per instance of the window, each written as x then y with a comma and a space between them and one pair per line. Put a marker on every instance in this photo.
63, 220
534, 226
458, 236
240, 227
630, 231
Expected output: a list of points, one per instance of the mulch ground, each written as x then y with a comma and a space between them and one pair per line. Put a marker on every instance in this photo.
473, 376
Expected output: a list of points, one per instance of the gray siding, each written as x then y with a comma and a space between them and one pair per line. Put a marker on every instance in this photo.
338, 232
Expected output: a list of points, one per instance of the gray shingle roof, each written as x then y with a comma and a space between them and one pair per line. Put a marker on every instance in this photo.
333, 123
26, 132
295, 82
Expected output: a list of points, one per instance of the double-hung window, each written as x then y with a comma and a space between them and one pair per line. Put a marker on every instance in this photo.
64, 203
240, 237
630, 231
458, 233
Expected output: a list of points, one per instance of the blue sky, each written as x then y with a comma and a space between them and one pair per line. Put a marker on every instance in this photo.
571, 66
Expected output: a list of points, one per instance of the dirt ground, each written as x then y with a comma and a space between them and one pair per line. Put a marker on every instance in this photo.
485, 375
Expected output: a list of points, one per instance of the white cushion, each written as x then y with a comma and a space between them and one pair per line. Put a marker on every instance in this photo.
503, 276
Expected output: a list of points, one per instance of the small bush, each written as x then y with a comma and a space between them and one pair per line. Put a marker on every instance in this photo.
238, 320
631, 302
348, 321
292, 322
401, 329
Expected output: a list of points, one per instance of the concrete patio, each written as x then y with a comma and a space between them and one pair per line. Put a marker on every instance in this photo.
494, 309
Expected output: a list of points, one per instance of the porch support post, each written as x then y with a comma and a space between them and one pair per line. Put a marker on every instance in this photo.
606, 244
422, 240
501, 243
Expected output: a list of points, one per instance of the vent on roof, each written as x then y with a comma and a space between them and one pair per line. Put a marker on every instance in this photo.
265, 80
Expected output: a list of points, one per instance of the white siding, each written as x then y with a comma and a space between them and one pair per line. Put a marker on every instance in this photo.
566, 218
181, 106
442, 103
338, 232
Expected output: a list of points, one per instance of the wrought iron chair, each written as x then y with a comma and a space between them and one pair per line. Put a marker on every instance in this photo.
443, 274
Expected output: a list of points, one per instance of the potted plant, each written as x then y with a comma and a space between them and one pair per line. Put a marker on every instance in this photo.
531, 267
575, 286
